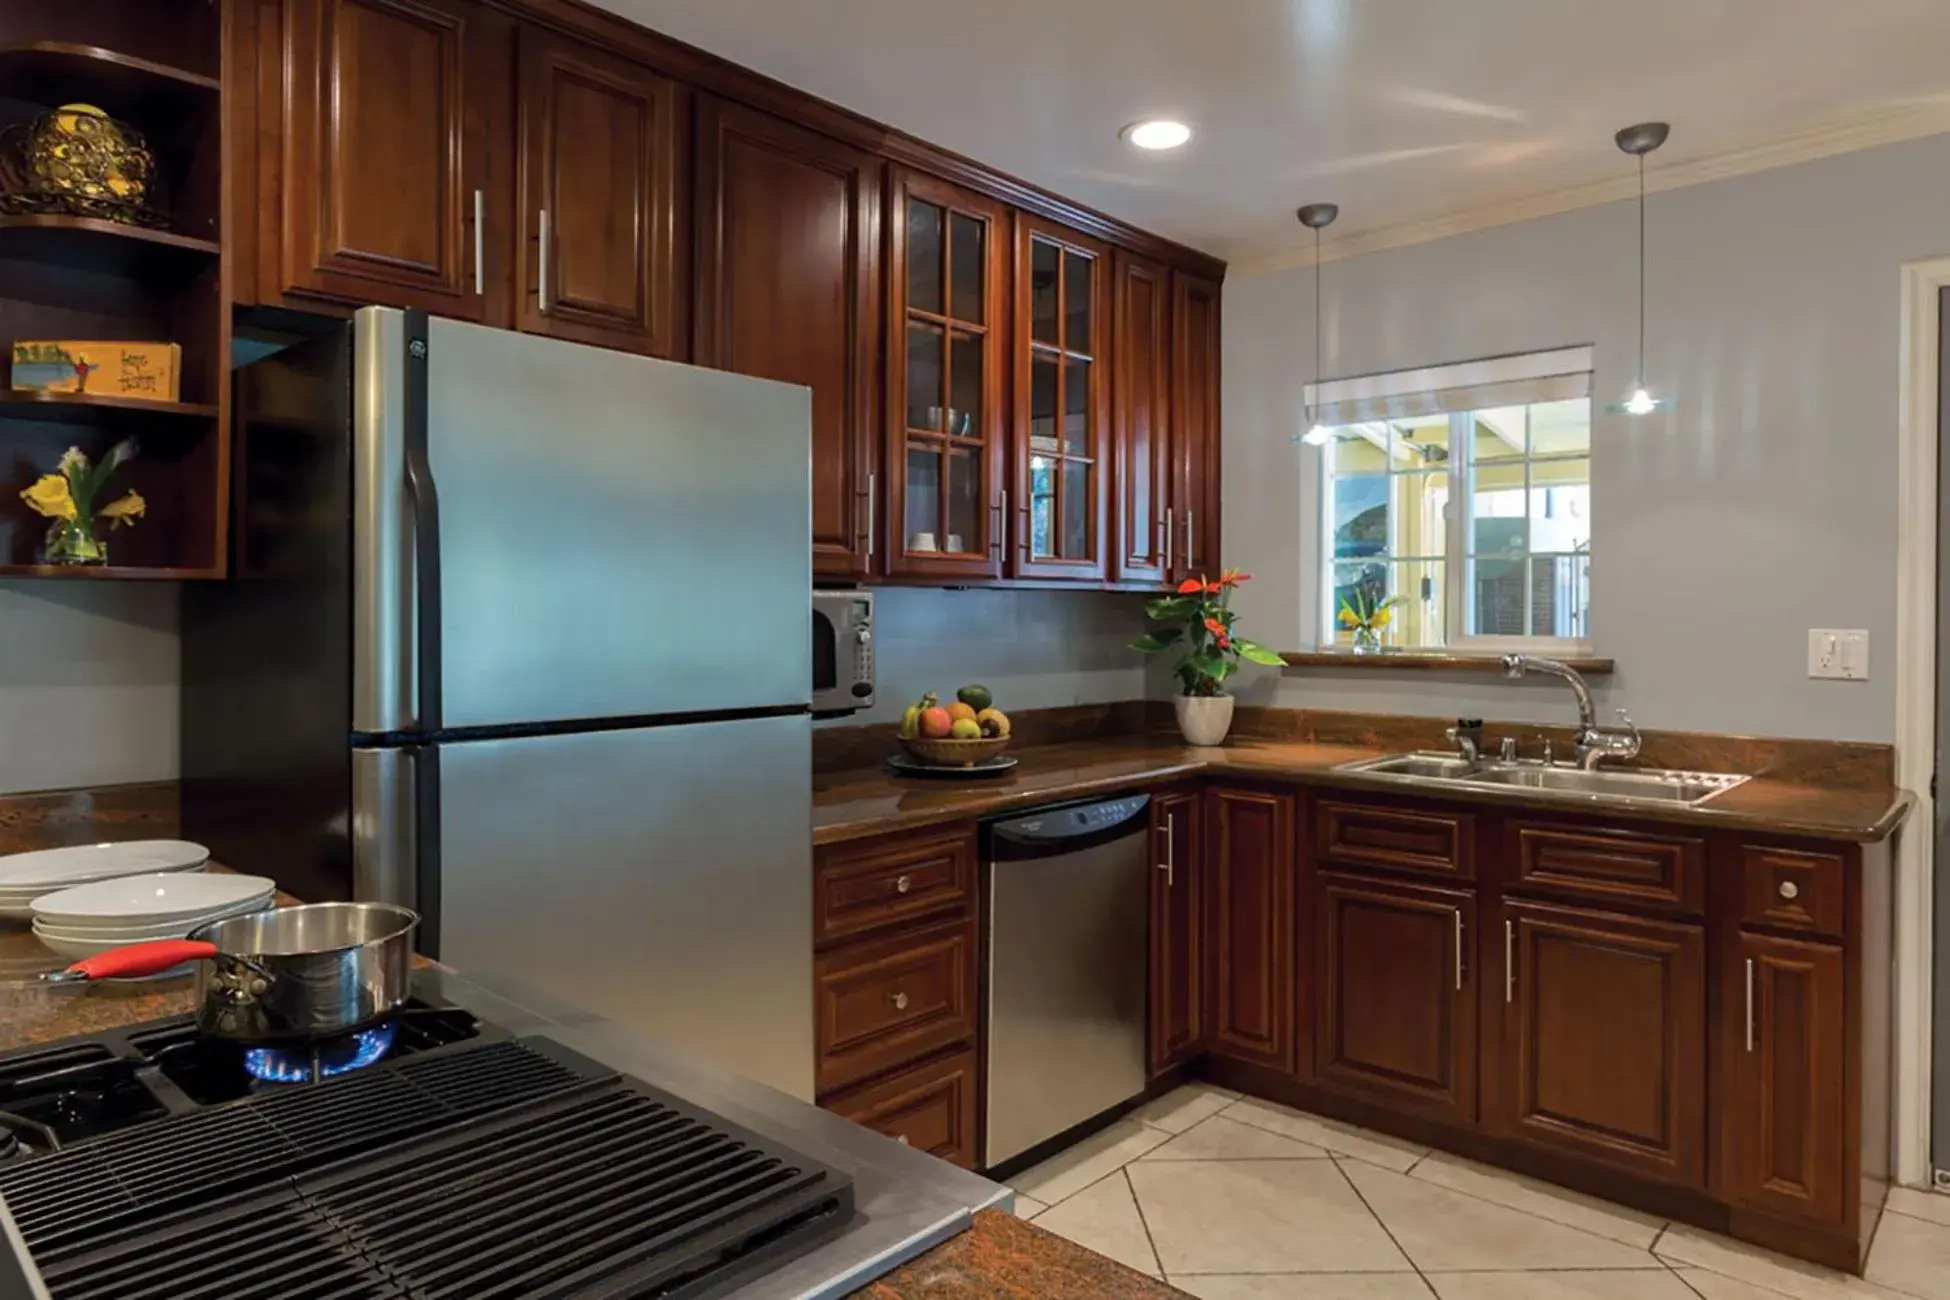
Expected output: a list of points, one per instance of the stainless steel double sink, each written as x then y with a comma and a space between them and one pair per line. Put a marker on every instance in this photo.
1659, 786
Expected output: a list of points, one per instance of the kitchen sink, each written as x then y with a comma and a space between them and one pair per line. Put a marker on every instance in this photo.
1636, 785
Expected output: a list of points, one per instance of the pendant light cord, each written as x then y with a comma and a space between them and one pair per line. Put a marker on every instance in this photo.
1641, 375
1316, 402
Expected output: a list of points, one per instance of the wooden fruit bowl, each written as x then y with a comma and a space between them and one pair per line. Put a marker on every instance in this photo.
954, 753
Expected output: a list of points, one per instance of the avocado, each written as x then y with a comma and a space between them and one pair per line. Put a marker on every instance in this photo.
976, 697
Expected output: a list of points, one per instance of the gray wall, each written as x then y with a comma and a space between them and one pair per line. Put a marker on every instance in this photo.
1034, 649
88, 675
1761, 504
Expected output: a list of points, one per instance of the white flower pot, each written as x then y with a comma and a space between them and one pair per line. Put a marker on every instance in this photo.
1204, 719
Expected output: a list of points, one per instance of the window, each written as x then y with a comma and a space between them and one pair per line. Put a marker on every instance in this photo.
1464, 493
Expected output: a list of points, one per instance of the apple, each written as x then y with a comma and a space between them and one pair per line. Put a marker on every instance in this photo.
936, 724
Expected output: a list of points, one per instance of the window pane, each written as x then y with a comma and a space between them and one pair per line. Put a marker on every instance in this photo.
1043, 379
1497, 597
1076, 510
965, 377
1354, 583
1500, 434
923, 497
971, 259
1360, 507
1042, 505
1419, 515
1496, 513
1418, 620
1560, 595
1076, 408
964, 502
1560, 428
1356, 453
1043, 258
923, 256
1078, 272
1560, 505
923, 377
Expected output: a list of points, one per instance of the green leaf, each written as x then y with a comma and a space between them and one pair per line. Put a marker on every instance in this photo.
1211, 665
1257, 653
1152, 642
1171, 609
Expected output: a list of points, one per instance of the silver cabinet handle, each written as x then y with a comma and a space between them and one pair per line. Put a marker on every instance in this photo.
1790, 890
902, 885
1191, 540
480, 243
1001, 512
1169, 865
1170, 538
900, 1001
1750, 1004
901, 1138
1509, 961
870, 502
541, 273
1459, 950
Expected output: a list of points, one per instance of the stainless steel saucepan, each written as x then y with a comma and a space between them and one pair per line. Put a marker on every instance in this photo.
291, 974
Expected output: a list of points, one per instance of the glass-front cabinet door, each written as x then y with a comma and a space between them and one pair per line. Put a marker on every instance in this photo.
1062, 434
946, 504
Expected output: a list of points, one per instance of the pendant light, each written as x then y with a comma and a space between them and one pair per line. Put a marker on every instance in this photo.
1639, 141
1317, 217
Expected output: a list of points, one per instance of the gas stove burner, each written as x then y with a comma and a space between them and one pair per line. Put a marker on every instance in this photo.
319, 1061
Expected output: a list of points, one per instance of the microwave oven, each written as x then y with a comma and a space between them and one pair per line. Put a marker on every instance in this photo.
842, 652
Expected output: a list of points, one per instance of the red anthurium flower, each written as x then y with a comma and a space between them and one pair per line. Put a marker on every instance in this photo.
1191, 585
1233, 577
1216, 628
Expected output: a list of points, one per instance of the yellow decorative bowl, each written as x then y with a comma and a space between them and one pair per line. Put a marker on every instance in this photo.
954, 753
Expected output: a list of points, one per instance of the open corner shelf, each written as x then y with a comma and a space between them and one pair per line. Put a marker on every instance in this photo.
104, 572
60, 72
90, 244
91, 408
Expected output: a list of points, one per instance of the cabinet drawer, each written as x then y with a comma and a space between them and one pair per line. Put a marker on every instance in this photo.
1790, 889
892, 882
930, 1108
884, 1004
1374, 835
1608, 866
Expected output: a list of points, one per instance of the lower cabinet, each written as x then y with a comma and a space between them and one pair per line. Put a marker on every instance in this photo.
930, 1108
1396, 995
1250, 926
1604, 1038
1174, 1024
1784, 1049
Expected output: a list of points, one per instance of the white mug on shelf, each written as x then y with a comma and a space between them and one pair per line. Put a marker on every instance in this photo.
921, 542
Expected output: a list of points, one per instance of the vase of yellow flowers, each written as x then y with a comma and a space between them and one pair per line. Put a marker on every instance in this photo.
1367, 614
67, 498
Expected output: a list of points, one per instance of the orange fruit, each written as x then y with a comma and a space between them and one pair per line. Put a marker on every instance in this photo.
958, 711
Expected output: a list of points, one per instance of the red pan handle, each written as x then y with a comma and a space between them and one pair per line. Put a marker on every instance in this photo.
140, 959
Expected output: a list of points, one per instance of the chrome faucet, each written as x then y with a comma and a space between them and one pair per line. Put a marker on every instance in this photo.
1594, 744
1467, 737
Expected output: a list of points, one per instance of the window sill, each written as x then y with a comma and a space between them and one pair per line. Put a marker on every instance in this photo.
1428, 661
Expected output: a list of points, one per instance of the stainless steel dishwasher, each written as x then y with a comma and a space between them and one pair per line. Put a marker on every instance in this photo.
1068, 890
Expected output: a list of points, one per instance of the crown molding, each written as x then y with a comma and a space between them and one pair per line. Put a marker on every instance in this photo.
1865, 132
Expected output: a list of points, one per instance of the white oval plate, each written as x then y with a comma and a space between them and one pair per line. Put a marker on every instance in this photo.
146, 930
76, 949
148, 900
52, 869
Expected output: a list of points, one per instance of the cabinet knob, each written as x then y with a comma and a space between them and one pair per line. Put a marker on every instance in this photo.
1790, 890
901, 1138
900, 1001
902, 885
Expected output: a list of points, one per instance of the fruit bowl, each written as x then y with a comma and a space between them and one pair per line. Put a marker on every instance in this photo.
954, 753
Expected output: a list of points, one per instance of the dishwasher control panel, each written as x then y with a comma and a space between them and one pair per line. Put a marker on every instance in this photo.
1068, 823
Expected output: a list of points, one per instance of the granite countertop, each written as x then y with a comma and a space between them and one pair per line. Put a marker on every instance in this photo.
868, 801
1002, 1256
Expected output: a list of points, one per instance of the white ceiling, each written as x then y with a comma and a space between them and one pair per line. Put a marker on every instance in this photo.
1405, 112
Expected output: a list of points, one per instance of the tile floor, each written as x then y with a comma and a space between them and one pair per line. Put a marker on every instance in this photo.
1234, 1199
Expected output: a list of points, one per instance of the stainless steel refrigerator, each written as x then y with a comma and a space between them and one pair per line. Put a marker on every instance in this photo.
518, 634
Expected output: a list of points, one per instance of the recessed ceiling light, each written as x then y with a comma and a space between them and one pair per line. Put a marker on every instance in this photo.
1157, 133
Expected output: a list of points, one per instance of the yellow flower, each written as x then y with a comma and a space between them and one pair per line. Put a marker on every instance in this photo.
49, 496
125, 511
1382, 618
1348, 618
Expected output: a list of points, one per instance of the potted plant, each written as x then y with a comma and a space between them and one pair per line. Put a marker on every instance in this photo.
1199, 619
1367, 614
67, 499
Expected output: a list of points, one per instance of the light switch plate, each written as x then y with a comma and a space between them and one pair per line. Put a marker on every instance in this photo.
1841, 654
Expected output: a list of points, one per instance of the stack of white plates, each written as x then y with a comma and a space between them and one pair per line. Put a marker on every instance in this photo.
88, 919
24, 877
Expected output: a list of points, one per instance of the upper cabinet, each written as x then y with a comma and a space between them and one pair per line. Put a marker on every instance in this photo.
385, 160
947, 323
1062, 425
601, 143
1141, 307
788, 288
1195, 426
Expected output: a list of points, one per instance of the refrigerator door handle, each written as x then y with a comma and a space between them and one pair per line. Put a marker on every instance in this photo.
426, 847
423, 502
385, 801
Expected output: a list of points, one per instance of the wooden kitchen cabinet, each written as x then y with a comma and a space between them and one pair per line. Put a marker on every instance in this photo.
385, 160
946, 512
1141, 416
1250, 926
1062, 440
930, 1108
1603, 1051
1784, 1046
1175, 1023
1195, 424
788, 288
598, 222
1396, 987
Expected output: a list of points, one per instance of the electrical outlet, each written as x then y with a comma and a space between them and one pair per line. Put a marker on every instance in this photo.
1841, 654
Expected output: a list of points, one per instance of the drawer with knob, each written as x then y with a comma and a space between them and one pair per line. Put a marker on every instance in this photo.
930, 1107
888, 881
1791, 889
882, 1004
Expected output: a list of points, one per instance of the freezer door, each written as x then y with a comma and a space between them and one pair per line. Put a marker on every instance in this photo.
659, 877
617, 536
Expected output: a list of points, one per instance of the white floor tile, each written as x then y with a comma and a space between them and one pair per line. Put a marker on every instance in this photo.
1934, 1206
1762, 1268
1717, 1286
1220, 1138
1303, 1286
1178, 1111
1612, 1284
1445, 1231
1028, 1207
1911, 1255
1557, 1204
1342, 1139
1102, 1153
1104, 1218
1259, 1216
